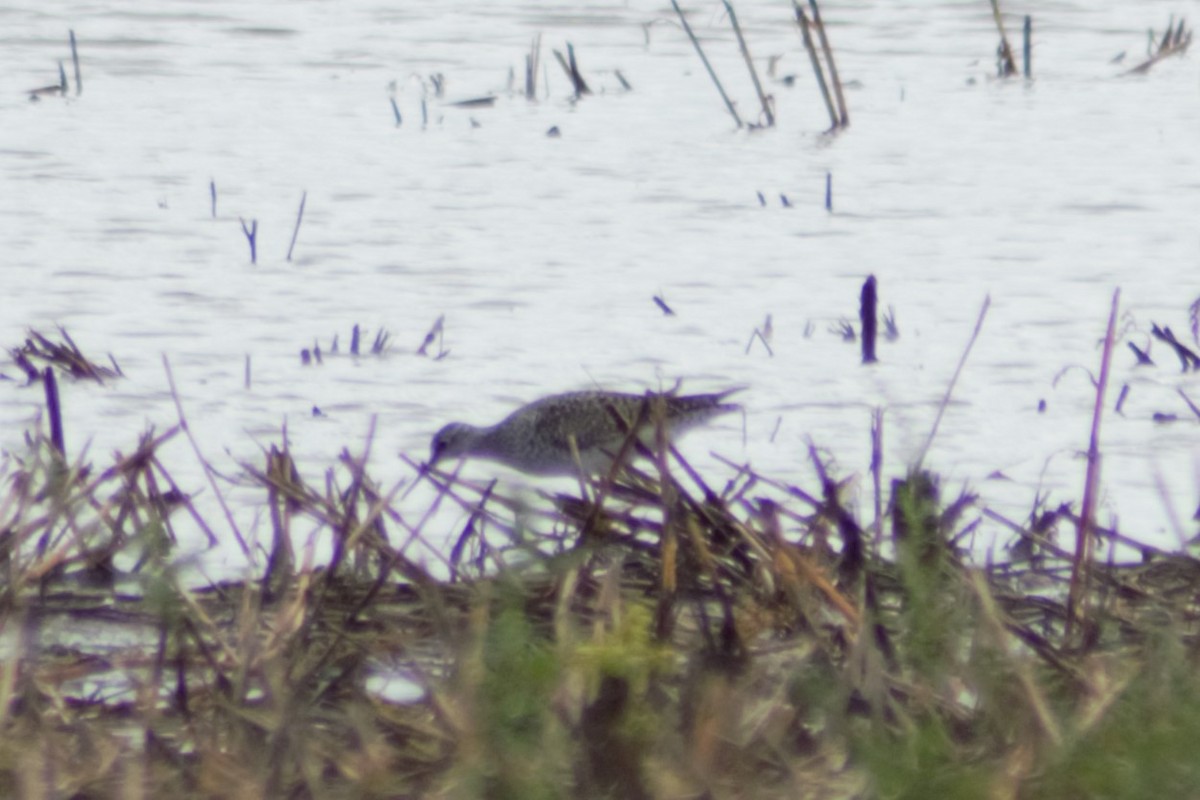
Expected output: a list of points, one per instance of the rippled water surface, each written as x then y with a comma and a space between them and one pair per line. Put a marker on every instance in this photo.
544, 253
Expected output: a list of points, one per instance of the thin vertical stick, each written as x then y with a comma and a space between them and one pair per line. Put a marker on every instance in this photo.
1083, 535
696, 43
844, 115
1028, 48
212, 193
987, 302
247, 382
829, 191
802, 22
299, 218
54, 411
531, 67
877, 470
75, 61
762, 97
866, 311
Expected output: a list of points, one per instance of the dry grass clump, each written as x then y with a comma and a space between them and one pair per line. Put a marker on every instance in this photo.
649, 636
64, 354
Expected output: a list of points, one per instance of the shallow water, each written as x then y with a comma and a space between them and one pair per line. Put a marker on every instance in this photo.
544, 253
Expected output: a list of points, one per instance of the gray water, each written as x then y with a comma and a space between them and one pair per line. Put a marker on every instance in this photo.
543, 254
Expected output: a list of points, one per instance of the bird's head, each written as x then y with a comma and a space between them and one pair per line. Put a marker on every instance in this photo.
450, 442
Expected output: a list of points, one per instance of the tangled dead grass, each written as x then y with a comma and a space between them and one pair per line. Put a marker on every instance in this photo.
648, 636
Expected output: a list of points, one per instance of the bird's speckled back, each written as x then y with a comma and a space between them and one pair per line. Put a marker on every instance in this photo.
536, 437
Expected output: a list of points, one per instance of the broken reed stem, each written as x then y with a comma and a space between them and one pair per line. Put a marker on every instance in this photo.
868, 301
762, 96
704, 59
1027, 48
987, 302
569, 65
54, 412
251, 233
803, 23
299, 219
877, 471
208, 471
843, 114
531, 67
381, 340
1084, 540
212, 193
1008, 65
581, 87
673, 521
75, 62
1174, 40
1168, 36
